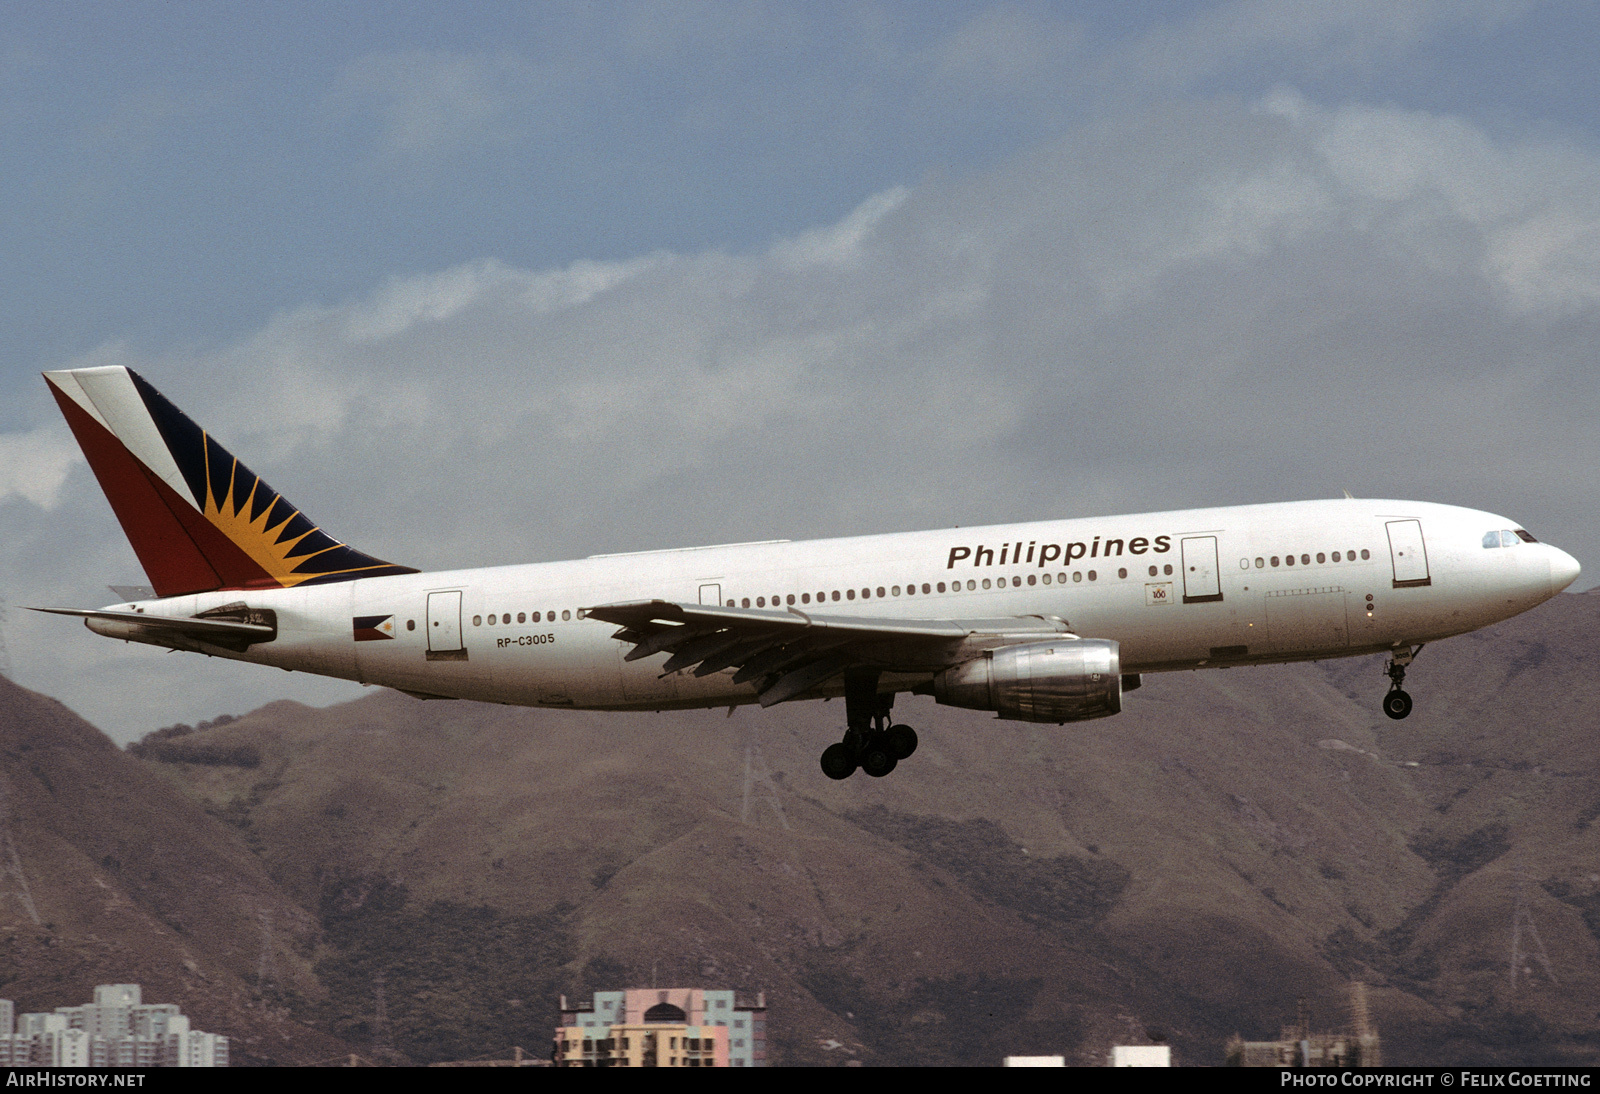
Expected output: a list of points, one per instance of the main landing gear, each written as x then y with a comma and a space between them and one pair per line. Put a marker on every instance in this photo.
870, 741
1397, 704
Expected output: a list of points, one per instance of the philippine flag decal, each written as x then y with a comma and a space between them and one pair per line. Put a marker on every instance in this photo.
373, 628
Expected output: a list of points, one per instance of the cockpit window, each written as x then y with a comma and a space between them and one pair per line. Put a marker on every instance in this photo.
1508, 538
1491, 539
1525, 537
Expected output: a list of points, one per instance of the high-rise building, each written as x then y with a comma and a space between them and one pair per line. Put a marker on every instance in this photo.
118, 1029
663, 1027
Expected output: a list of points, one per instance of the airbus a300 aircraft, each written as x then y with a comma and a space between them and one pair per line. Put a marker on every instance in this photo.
1043, 622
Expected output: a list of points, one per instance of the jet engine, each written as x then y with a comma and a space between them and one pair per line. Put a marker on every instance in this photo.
1066, 680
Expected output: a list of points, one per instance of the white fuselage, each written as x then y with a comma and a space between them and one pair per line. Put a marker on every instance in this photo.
1177, 590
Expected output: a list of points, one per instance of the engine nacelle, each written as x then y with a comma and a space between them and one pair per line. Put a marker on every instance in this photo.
1065, 680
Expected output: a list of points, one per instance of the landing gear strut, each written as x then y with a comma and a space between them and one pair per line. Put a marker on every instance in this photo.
870, 741
1397, 704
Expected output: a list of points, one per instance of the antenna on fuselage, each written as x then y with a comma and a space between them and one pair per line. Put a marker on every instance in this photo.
1349, 495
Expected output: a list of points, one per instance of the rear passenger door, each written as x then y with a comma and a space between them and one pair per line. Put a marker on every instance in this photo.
444, 626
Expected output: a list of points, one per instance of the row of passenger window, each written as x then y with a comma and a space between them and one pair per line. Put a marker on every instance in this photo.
1305, 560
931, 588
522, 617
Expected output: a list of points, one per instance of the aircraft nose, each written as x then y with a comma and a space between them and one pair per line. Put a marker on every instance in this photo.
1564, 569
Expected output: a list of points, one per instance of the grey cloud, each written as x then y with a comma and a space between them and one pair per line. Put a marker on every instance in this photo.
1203, 304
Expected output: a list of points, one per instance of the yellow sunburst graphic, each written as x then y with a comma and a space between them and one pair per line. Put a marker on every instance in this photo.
259, 540
255, 537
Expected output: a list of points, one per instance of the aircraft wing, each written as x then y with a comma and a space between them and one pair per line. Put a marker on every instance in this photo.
788, 652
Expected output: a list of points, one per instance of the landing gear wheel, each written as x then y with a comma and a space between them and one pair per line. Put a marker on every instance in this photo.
838, 761
877, 760
901, 741
1397, 704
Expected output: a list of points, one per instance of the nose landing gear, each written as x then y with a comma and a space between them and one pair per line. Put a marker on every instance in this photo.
1397, 704
870, 741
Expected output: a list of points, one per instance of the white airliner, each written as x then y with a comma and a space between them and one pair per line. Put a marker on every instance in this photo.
1050, 621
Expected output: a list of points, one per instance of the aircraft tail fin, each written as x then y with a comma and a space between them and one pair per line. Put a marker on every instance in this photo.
197, 518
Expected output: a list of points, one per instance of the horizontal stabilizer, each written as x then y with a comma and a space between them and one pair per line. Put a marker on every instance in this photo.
176, 633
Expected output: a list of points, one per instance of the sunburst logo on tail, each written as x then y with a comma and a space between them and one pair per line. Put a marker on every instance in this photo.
197, 518
275, 535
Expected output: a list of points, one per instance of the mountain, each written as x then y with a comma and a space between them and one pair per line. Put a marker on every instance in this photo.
1233, 843
108, 874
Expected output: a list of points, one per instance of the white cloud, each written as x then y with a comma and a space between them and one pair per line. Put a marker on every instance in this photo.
899, 352
33, 466
839, 244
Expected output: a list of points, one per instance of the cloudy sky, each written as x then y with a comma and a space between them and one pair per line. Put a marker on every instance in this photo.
482, 284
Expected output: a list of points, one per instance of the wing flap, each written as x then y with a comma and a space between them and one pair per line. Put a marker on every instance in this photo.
786, 653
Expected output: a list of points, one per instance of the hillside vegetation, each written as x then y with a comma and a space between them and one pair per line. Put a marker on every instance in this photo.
1232, 843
